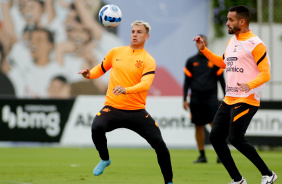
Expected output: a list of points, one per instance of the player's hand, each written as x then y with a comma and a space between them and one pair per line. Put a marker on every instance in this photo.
85, 73
200, 42
243, 87
119, 90
186, 105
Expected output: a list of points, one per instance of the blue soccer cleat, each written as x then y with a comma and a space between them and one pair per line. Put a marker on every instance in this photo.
169, 183
99, 169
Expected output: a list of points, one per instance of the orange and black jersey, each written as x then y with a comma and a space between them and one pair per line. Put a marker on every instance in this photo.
201, 76
132, 69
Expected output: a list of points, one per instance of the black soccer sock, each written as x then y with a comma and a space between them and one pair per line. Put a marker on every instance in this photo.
202, 153
269, 173
238, 178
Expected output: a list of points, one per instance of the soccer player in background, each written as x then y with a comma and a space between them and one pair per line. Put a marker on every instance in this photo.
247, 68
132, 73
201, 77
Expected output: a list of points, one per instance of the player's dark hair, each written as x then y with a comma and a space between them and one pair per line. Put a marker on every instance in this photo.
242, 12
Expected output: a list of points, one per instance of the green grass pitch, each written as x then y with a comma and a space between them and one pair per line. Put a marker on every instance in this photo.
56, 165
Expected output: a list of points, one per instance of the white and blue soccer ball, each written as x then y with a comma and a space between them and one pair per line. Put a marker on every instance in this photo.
110, 15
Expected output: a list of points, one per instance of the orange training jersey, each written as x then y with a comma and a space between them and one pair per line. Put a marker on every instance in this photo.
132, 69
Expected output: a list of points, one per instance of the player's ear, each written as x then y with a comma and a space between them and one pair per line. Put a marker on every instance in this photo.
147, 36
242, 21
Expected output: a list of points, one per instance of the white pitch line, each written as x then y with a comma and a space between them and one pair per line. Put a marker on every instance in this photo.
13, 182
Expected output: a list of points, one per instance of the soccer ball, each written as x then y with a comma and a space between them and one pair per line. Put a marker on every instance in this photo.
110, 15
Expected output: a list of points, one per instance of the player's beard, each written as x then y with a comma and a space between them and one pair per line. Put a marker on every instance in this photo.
234, 29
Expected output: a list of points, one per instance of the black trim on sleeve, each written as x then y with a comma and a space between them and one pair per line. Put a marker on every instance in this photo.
262, 58
151, 72
103, 67
223, 56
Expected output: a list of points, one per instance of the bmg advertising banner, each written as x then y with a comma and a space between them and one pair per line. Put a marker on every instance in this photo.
33, 120
68, 122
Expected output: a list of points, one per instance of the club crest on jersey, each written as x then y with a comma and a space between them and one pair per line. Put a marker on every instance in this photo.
139, 63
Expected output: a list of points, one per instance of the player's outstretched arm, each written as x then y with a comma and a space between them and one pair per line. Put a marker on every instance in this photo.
85, 73
200, 42
216, 59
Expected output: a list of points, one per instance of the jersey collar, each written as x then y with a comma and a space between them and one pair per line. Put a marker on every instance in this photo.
245, 36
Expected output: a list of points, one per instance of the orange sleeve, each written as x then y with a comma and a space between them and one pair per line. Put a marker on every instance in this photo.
216, 59
143, 86
219, 72
260, 55
187, 72
146, 80
97, 71
103, 67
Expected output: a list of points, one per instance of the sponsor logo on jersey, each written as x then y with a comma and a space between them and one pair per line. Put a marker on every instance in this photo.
230, 67
232, 59
234, 69
232, 89
106, 110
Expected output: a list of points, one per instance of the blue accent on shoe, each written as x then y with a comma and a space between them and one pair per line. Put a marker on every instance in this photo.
169, 183
99, 169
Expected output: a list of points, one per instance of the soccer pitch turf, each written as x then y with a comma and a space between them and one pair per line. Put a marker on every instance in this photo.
56, 165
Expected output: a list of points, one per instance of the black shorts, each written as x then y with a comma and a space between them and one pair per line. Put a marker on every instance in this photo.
203, 109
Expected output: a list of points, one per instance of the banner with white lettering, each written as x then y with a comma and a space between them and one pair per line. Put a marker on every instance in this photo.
266, 126
68, 122
33, 120
173, 121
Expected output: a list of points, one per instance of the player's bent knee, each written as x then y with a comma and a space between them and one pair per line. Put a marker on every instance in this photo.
235, 140
96, 126
160, 144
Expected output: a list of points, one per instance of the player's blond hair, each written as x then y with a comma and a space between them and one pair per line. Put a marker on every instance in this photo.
141, 22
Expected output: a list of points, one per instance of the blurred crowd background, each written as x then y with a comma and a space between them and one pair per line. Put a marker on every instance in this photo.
44, 44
